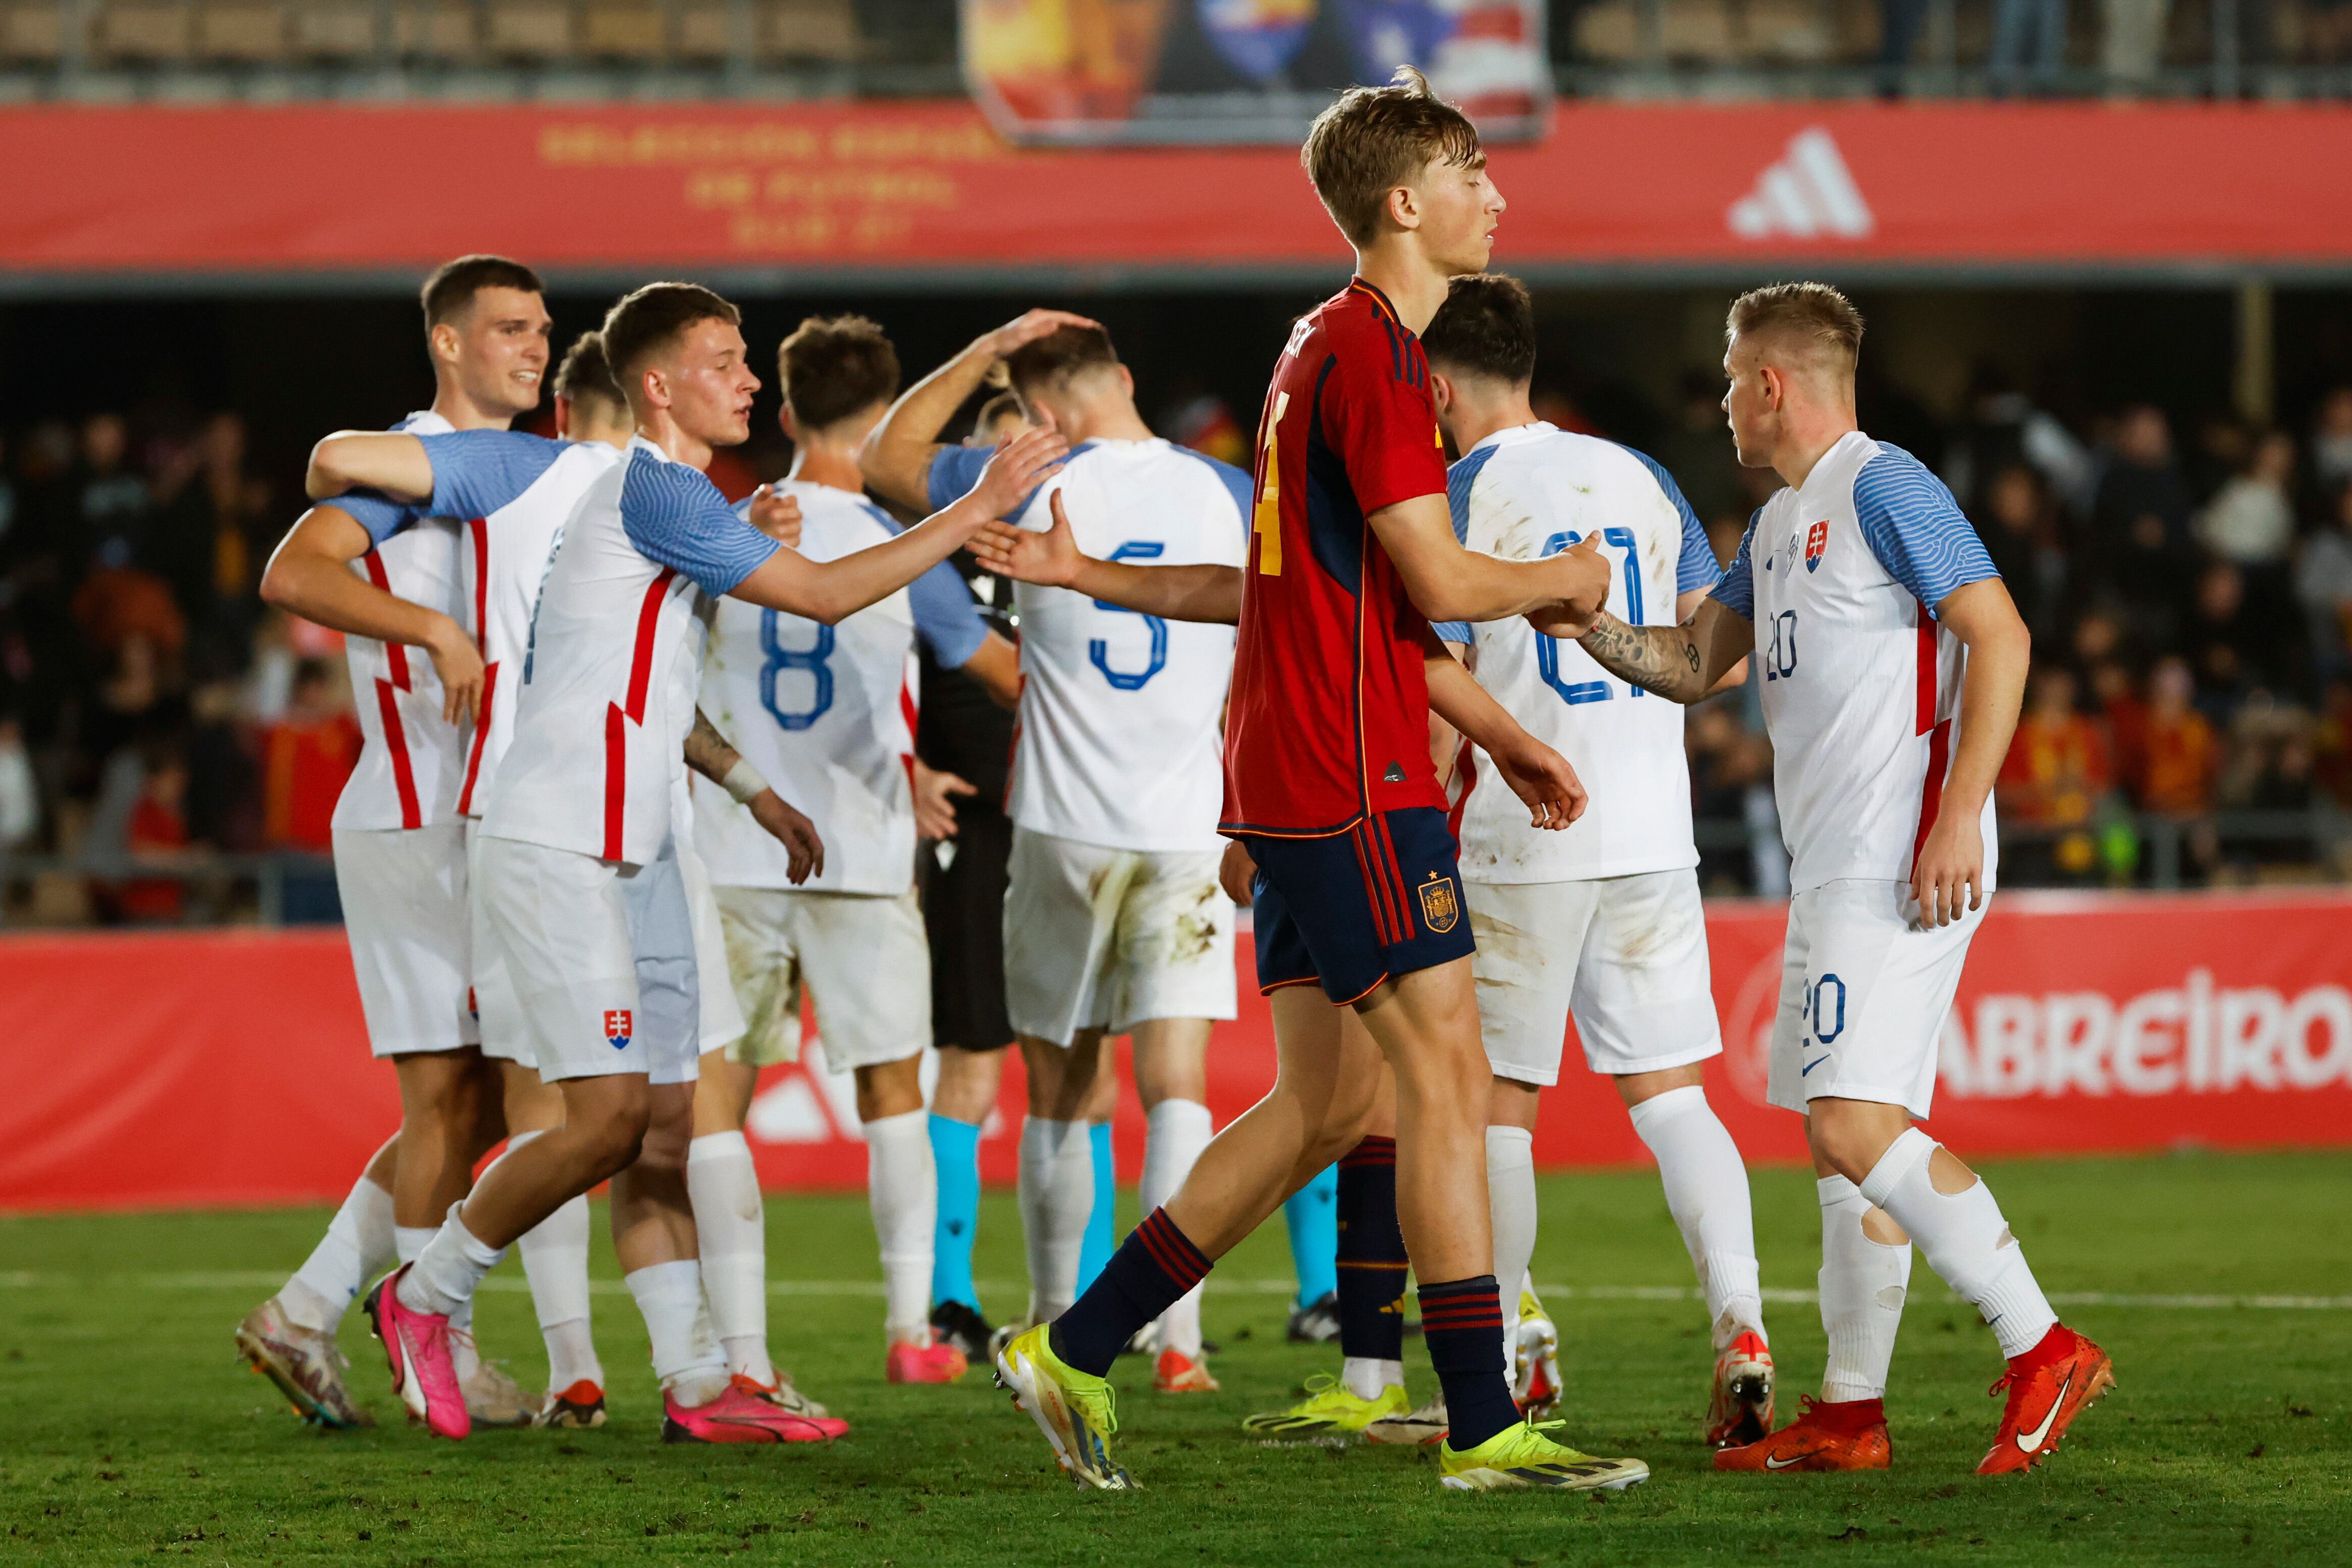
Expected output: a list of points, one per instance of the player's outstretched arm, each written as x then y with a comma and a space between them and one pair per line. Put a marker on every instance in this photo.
1537, 774
310, 576
1204, 591
390, 461
897, 457
708, 753
1985, 619
827, 590
1448, 582
1681, 663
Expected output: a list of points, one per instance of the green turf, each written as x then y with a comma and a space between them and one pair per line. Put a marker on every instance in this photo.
131, 1430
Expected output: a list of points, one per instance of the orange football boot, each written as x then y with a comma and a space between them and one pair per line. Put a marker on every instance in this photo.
1848, 1435
1741, 1409
2048, 1386
1176, 1373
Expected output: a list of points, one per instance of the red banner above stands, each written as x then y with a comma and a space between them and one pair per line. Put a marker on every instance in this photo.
216, 1068
850, 189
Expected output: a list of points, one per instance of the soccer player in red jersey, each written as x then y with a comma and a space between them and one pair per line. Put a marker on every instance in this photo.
1331, 790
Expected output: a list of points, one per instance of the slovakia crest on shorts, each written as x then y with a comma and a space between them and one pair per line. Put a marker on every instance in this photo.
619, 1025
1817, 544
1439, 908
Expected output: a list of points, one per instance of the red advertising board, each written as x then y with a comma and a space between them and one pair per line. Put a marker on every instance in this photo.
214, 1068
852, 189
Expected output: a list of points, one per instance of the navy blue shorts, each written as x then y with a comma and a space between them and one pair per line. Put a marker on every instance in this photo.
1357, 907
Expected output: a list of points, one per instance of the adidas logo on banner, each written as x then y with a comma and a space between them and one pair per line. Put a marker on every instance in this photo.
1808, 191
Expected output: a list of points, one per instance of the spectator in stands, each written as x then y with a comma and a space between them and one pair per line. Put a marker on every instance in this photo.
224, 801
2020, 533
306, 757
110, 501
2133, 44
2139, 543
2331, 433
2057, 772
2028, 34
210, 547
1697, 451
157, 831
1726, 760
2179, 758
2250, 521
20, 794
2235, 650
2322, 584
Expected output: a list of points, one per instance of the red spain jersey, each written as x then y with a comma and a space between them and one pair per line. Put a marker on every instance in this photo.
1329, 717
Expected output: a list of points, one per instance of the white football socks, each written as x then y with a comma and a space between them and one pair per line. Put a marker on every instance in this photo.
408, 1240
1175, 1133
555, 1261
686, 1358
1511, 1202
1057, 1197
448, 1269
1966, 1239
357, 1247
1366, 1376
1863, 1284
1706, 1191
902, 1189
729, 1218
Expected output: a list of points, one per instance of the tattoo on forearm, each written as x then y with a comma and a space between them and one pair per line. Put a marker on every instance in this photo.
707, 750
1647, 657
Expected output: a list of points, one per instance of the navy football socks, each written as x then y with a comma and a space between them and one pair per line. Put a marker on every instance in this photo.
1149, 1272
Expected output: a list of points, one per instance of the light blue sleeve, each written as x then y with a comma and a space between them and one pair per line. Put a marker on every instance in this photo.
1738, 587
381, 516
1917, 529
947, 618
674, 515
474, 472
1694, 567
1459, 480
1239, 485
954, 470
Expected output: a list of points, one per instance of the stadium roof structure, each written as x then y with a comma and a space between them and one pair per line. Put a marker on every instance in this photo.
141, 198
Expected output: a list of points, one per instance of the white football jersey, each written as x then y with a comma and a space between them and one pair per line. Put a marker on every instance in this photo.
1120, 741
825, 713
1531, 491
1861, 686
504, 560
410, 759
614, 660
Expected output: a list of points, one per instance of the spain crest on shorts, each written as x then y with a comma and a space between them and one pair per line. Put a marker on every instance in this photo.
1817, 544
620, 1024
1439, 908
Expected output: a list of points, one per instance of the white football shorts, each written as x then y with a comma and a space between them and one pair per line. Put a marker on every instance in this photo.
504, 1033
1107, 939
1626, 956
722, 1019
405, 911
1863, 994
601, 958
862, 958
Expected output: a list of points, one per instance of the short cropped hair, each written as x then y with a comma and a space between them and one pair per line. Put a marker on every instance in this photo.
1814, 314
833, 366
585, 374
1062, 353
644, 322
1000, 407
1377, 138
1486, 327
454, 284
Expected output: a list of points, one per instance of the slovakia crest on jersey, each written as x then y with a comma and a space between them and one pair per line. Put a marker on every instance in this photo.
1817, 544
619, 1025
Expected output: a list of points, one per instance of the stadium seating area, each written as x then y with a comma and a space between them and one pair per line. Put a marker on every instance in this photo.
275, 49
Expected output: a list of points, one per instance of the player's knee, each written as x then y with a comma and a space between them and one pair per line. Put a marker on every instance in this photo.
615, 1136
1849, 1151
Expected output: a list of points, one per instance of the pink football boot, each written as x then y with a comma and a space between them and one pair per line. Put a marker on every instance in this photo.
744, 1414
417, 1346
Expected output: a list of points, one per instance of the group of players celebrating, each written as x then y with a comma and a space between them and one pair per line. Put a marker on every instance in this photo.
640, 769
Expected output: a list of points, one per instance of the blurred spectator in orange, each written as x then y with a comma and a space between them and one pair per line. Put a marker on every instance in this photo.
306, 757
2179, 754
2057, 772
117, 603
158, 828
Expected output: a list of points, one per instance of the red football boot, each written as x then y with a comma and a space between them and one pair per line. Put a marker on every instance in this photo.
1847, 1435
2048, 1386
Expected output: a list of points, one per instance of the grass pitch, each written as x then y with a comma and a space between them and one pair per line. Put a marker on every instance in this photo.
132, 1431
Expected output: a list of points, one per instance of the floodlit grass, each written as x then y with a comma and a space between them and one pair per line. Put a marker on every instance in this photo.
134, 1431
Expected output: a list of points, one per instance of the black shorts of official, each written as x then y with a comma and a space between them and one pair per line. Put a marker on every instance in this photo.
1349, 910
963, 912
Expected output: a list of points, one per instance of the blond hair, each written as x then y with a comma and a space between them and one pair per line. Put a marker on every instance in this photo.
1814, 316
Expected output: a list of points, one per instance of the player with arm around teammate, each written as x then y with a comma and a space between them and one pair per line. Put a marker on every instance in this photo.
1892, 664
391, 583
1602, 922
829, 710
1114, 923
583, 822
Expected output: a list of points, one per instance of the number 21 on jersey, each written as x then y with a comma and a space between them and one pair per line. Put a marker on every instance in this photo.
1547, 648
